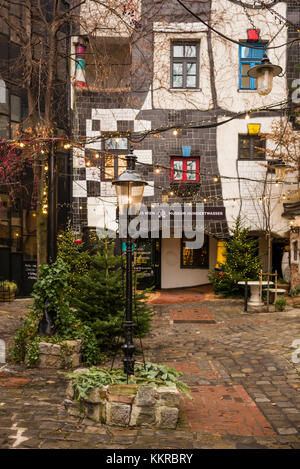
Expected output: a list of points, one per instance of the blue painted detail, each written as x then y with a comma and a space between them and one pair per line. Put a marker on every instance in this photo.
186, 150
252, 57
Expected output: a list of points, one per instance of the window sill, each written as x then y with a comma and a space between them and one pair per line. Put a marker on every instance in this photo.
246, 91
180, 90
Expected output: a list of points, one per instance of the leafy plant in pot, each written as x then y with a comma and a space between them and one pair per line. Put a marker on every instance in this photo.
7, 290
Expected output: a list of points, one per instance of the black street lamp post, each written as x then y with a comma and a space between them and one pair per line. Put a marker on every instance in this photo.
129, 188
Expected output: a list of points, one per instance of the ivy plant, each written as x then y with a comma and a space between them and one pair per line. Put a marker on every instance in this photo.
149, 374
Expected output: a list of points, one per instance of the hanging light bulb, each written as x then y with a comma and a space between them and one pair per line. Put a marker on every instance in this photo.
157, 170
175, 132
247, 116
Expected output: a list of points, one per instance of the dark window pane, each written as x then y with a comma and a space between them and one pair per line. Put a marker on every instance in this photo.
15, 108
195, 257
4, 127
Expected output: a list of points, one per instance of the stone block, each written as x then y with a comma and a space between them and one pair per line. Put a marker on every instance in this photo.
73, 408
73, 345
96, 396
123, 390
122, 399
70, 391
146, 396
92, 411
117, 414
167, 417
49, 361
168, 396
142, 416
49, 349
66, 355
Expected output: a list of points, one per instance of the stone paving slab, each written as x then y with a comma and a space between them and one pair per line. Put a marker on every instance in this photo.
240, 360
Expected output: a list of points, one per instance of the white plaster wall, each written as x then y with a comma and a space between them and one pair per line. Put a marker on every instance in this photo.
106, 18
172, 276
102, 213
230, 19
251, 209
163, 96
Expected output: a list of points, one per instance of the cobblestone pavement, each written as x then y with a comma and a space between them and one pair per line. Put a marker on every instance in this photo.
244, 384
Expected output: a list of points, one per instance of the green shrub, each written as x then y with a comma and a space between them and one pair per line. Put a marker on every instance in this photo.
100, 300
295, 291
280, 304
53, 286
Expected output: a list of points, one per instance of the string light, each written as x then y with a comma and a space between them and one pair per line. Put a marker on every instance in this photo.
175, 132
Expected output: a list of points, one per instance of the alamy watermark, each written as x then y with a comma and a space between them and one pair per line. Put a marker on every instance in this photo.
296, 92
296, 354
2, 351
166, 220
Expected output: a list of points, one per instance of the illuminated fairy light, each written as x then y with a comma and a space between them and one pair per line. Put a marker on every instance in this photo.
67, 146
175, 132
97, 155
22, 145
216, 178
46, 168
247, 116
157, 170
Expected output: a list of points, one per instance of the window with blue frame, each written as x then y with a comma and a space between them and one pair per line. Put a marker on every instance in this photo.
249, 57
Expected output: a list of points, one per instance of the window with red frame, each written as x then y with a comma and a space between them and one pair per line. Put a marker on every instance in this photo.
185, 169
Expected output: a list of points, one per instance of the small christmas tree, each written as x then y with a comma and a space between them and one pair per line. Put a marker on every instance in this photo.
242, 262
100, 300
242, 253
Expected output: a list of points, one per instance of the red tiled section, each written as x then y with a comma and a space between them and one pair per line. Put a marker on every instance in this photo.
13, 382
224, 410
178, 296
197, 315
210, 370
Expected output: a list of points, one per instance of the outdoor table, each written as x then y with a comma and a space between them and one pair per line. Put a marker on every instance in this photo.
254, 291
